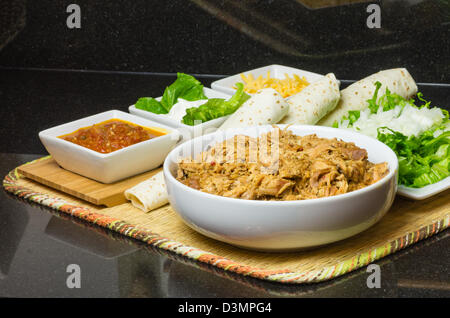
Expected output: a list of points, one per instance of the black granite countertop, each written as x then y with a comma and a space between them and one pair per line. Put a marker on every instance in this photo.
37, 244
229, 36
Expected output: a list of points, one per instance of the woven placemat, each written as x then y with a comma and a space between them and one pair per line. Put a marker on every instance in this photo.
406, 223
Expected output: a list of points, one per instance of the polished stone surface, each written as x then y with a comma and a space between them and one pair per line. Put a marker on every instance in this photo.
230, 36
33, 100
37, 244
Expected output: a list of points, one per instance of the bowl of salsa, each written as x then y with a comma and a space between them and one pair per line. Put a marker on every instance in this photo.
109, 146
111, 135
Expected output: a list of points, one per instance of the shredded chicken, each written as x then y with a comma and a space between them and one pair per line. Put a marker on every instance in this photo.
280, 166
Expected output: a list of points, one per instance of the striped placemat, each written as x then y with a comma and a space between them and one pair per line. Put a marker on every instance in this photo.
405, 224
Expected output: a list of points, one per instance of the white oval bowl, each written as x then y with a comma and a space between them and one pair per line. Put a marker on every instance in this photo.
282, 225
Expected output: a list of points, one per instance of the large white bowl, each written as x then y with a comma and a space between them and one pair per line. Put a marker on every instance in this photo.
285, 225
114, 166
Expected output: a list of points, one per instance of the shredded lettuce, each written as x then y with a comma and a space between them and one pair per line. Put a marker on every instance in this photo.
353, 115
185, 86
423, 158
216, 107
373, 101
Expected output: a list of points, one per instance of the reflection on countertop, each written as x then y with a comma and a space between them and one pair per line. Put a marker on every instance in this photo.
45, 98
231, 36
116, 266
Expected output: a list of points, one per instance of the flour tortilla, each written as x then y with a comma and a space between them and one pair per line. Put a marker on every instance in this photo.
312, 103
265, 107
149, 194
355, 97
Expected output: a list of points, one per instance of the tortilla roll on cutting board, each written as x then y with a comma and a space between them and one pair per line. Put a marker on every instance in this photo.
313, 102
149, 194
265, 107
355, 97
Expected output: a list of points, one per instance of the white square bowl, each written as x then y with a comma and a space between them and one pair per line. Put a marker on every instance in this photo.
186, 131
114, 166
226, 84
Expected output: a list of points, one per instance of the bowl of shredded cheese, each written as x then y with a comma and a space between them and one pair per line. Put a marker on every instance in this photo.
286, 86
286, 80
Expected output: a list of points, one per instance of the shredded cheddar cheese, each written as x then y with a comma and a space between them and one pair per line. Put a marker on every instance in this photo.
286, 87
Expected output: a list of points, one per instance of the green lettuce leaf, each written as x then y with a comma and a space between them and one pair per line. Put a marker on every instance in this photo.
151, 105
185, 86
215, 107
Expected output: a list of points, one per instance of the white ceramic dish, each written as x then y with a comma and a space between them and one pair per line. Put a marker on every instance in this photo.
425, 192
186, 131
286, 225
114, 166
276, 71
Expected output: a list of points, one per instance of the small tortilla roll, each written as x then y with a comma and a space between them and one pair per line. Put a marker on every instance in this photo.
149, 194
355, 96
265, 107
313, 102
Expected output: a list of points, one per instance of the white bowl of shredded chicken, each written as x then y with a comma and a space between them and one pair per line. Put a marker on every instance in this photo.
281, 188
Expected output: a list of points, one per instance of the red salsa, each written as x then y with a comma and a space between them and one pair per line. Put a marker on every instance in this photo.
111, 135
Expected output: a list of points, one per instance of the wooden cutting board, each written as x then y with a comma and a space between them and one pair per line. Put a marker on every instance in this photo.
49, 173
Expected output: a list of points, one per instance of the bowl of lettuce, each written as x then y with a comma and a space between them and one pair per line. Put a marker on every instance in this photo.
189, 106
418, 133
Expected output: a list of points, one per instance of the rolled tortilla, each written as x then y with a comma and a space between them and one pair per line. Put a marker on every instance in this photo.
149, 194
265, 107
313, 102
355, 96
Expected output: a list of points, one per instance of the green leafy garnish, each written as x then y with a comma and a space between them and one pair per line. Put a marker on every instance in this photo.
215, 107
387, 102
185, 86
373, 101
151, 105
353, 115
189, 88
426, 103
390, 100
423, 160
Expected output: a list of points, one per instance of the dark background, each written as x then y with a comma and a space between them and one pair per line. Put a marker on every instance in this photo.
50, 74
231, 36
